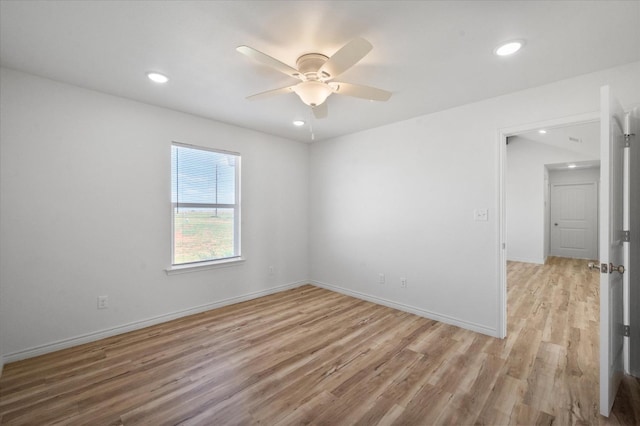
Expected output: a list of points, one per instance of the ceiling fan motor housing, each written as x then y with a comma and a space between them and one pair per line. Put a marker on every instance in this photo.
309, 64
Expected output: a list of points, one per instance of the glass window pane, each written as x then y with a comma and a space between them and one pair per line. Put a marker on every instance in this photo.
200, 176
203, 234
202, 182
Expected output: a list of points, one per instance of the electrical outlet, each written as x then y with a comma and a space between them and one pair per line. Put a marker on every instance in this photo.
381, 278
103, 302
272, 270
403, 282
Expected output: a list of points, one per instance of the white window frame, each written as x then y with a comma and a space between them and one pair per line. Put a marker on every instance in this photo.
213, 263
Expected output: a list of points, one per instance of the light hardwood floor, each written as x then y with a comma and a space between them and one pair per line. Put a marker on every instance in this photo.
309, 355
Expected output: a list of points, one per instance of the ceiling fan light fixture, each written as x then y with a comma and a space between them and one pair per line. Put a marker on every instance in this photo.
313, 93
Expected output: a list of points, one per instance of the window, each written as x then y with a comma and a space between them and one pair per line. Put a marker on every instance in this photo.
205, 204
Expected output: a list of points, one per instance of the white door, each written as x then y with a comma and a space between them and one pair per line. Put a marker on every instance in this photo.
573, 220
611, 247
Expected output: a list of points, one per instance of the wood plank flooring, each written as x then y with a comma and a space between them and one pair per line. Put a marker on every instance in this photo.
309, 355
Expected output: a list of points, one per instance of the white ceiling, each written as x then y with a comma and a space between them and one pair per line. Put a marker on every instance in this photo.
432, 55
581, 138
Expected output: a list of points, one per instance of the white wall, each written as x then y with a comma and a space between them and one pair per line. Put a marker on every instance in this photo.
399, 199
85, 211
527, 197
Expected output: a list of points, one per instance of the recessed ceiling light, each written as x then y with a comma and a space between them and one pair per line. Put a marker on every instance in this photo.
542, 131
509, 48
571, 166
157, 77
298, 123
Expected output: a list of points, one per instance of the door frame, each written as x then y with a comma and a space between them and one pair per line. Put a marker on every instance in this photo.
502, 135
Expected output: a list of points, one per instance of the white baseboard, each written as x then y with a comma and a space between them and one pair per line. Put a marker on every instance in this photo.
92, 337
526, 260
479, 328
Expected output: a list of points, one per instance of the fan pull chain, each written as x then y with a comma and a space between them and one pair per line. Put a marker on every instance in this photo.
311, 118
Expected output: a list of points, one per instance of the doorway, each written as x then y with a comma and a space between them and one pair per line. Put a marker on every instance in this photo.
536, 162
618, 207
523, 174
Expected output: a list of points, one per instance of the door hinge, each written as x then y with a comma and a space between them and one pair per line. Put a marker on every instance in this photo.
627, 140
626, 330
626, 236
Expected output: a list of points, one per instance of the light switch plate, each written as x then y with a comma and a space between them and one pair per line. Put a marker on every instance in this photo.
481, 215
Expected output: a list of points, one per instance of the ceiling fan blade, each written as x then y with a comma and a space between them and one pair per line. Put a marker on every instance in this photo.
269, 61
320, 111
345, 58
270, 93
358, 91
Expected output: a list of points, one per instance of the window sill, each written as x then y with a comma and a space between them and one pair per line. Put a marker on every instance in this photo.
201, 266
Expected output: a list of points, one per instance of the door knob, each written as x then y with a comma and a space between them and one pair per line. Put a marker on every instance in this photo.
604, 268
619, 268
555, 224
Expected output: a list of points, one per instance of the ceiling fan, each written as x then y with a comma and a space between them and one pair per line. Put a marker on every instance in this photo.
316, 72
